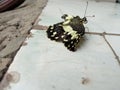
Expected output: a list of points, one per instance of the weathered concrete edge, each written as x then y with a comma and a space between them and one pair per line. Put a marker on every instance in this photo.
3, 57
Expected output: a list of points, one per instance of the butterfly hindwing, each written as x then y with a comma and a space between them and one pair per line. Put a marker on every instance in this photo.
72, 44
55, 32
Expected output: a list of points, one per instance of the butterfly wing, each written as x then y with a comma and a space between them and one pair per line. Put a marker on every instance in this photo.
55, 32
72, 44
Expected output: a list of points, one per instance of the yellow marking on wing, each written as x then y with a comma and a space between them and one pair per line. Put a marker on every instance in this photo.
66, 22
70, 31
62, 36
52, 27
51, 30
72, 42
54, 33
65, 40
69, 17
56, 37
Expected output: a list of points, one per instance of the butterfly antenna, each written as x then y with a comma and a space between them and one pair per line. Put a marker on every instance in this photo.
60, 11
86, 9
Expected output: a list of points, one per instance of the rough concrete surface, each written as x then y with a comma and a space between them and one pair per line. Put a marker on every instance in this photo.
14, 28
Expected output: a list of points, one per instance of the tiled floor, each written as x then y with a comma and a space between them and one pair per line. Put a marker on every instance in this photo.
47, 65
114, 41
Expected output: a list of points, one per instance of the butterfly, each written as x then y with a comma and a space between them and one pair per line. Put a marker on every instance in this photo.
69, 31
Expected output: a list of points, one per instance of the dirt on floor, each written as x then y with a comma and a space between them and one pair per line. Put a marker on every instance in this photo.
14, 28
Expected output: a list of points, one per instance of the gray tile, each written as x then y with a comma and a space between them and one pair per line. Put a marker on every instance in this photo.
47, 65
107, 15
114, 41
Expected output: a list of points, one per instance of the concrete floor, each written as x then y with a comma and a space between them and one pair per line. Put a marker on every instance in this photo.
47, 65
14, 28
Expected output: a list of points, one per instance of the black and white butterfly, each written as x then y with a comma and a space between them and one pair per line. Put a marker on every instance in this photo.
69, 31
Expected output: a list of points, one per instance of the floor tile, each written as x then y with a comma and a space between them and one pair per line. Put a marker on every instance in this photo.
47, 65
114, 41
107, 15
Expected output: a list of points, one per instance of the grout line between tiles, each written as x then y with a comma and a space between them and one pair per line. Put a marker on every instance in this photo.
116, 56
97, 33
42, 27
103, 35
